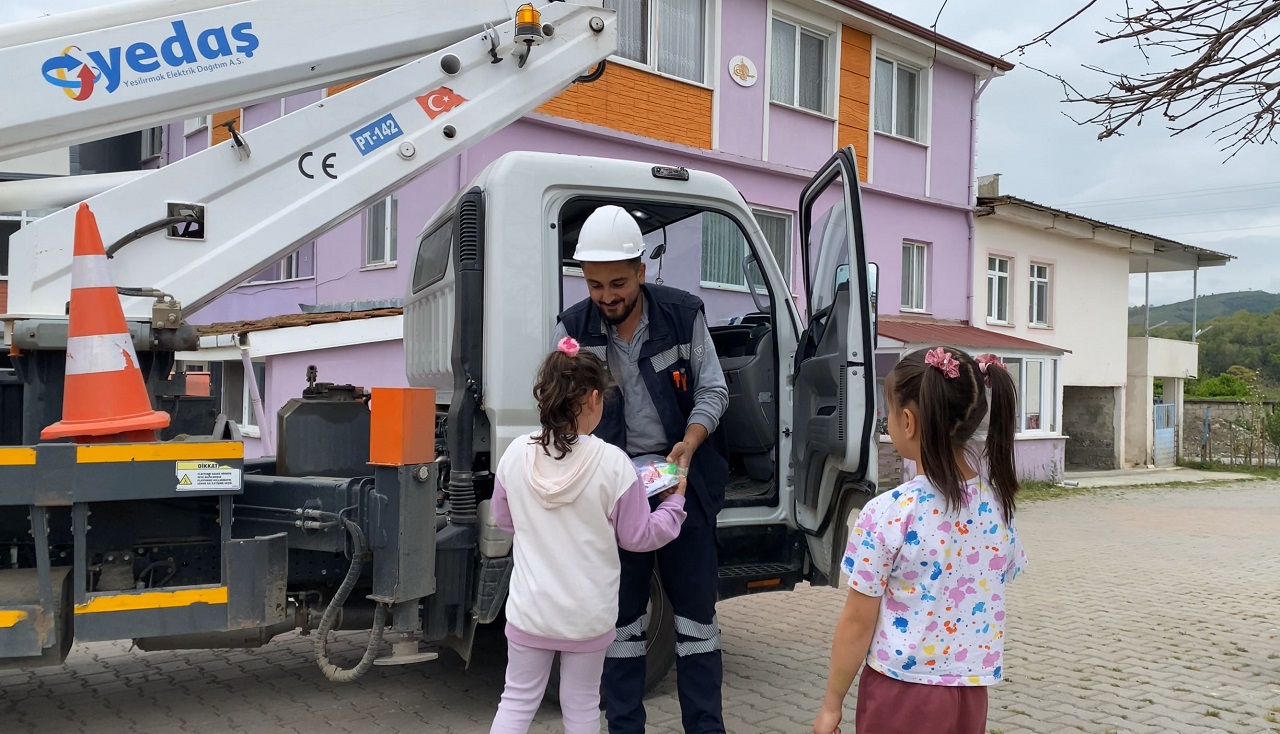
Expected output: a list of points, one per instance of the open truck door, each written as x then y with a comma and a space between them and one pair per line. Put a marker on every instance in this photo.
833, 454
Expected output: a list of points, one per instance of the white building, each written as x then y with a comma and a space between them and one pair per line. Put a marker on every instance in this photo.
1061, 279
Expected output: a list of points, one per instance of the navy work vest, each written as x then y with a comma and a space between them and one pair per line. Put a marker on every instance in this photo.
667, 371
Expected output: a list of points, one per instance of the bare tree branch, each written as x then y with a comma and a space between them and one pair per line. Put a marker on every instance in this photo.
1221, 70
1044, 37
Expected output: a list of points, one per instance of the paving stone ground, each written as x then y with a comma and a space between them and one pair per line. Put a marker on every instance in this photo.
1144, 610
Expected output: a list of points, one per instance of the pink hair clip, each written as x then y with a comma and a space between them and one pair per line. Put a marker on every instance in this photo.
986, 361
569, 346
944, 362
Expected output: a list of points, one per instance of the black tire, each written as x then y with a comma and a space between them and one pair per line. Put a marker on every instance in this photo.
660, 652
854, 500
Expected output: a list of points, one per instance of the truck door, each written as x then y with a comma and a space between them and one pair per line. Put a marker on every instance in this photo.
832, 451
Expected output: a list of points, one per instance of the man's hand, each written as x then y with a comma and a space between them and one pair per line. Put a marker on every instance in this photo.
828, 722
682, 453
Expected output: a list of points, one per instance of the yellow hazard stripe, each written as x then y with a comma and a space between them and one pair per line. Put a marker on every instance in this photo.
17, 457
125, 452
10, 618
153, 600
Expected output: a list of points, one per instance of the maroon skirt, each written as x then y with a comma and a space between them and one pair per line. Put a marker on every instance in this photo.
890, 706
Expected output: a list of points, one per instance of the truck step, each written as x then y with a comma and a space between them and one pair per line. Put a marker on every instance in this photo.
753, 578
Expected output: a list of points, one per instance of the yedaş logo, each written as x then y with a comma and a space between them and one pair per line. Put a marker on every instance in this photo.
79, 73
439, 101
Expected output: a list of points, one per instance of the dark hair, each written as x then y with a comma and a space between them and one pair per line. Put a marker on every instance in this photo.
563, 383
950, 410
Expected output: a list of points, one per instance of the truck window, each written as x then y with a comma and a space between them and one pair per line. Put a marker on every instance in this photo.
433, 256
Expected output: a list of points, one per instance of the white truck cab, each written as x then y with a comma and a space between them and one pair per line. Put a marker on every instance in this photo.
494, 268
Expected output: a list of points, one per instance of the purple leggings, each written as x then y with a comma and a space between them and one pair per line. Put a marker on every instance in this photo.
528, 669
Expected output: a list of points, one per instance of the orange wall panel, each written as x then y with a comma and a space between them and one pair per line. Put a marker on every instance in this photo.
219, 133
641, 103
4, 296
337, 88
855, 94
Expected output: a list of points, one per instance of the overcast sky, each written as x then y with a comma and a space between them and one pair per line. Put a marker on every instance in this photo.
1146, 180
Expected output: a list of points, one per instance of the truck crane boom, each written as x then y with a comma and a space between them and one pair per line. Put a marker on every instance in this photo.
267, 190
96, 73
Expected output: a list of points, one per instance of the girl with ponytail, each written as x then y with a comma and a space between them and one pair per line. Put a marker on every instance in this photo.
928, 562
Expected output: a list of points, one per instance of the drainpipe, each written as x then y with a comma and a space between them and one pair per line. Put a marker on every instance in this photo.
1146, 301
973, 190
251, 384
1195, 298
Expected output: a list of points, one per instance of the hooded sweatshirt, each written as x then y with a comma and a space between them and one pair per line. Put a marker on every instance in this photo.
569, 517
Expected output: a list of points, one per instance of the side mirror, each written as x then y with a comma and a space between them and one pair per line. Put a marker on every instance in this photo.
658, 251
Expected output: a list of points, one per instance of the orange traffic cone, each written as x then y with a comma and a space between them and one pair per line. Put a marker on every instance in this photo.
104, 396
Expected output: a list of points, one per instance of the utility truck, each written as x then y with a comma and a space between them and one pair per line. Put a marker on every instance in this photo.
370, 515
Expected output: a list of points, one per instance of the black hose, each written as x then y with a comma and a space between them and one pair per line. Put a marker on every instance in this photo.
331, 671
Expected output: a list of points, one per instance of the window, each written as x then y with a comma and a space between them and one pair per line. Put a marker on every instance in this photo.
914, 262
237, 401
195, 124
668, 35
9, 224
152, 142
897, 99
1039, 295
724, 247
299, 264
998, 289
798, 67
1036, 380
433, 256
380, 233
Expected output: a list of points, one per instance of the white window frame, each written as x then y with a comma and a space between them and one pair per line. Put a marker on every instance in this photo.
1036, 283
923, 95
650, 63
919, 296
152, 143
829, 40
1050, 393
994, 276
743, 286
248, 422
387, 234
196, 124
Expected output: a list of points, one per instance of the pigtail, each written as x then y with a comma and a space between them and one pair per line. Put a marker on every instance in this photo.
938, 439
1001, 427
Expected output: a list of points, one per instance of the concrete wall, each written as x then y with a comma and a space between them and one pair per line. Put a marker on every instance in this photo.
1229, 435
1088, 300
1163, 358
1092, 420
1139, 428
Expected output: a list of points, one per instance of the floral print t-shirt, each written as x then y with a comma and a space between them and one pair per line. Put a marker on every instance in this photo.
942, 577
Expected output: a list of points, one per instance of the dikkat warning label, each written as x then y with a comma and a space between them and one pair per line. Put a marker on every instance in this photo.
205, 476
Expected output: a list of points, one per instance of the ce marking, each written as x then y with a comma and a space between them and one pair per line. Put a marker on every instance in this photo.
326, 165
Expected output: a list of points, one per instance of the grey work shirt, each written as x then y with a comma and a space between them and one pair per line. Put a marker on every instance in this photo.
644, 425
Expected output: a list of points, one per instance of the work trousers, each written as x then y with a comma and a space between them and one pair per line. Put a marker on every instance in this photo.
687, 569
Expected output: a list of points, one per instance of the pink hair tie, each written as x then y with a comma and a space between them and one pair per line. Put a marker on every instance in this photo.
569, 346
944, 362
986, 361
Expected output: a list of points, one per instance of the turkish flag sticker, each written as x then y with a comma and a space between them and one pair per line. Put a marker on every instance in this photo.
439, 101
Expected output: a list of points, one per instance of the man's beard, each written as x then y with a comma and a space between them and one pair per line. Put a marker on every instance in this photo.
626, 313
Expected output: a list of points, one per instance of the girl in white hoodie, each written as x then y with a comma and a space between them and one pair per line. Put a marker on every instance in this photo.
571, 500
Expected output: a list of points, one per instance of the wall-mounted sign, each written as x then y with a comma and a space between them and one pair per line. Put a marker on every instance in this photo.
742, 70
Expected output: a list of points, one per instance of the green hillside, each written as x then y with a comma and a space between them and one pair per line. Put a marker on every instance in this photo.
1211, 307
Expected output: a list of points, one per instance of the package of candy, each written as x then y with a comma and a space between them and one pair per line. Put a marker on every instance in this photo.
656, 473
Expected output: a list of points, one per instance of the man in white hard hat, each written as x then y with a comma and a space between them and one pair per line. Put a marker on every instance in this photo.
672, 394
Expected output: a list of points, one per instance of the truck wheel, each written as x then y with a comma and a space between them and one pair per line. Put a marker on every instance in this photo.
660, 652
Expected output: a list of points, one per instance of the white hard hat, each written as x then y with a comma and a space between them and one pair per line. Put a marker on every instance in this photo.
610, 234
